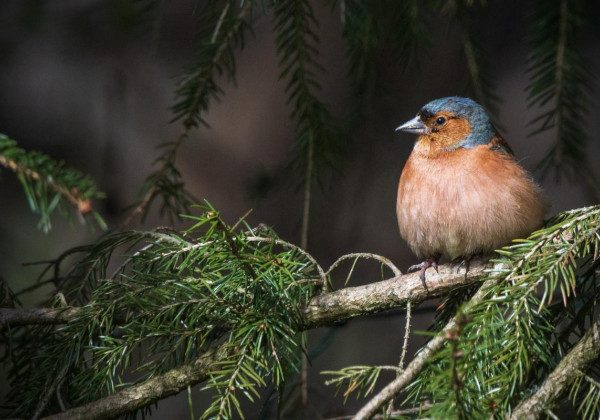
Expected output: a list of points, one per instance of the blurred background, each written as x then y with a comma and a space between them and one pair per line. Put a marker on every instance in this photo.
85, 82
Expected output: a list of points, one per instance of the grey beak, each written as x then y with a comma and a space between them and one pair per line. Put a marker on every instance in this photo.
415, 126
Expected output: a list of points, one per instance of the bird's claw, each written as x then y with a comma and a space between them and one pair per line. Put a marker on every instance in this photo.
462, 263
422, 268
415, 267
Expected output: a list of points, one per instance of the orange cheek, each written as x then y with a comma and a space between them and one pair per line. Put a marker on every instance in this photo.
455, 130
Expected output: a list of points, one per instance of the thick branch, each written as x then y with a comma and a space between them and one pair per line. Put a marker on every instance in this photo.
145, 393
579, 358
35, 316
325, 309
351, 302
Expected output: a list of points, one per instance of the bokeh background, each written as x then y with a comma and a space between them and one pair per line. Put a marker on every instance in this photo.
82, 81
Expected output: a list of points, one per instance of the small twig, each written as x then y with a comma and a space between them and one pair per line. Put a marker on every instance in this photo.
141, 207
406, 334
43, 403
158, 237
230, 239
231, 34
286, 244
154, 190
365, 255
84, 206
220, 23
59, 398
390, 408
308, 180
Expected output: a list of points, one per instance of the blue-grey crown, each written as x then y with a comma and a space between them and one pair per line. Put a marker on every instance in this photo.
482, 130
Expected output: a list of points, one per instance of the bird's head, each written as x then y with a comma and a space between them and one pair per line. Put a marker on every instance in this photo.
449, 124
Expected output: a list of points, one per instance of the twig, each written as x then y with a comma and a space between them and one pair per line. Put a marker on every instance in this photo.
286, 244
230, 239
406, 334
56, 383
578, 359
415, 366
404, 350
84, 206
215, 34
141, 207
59, 398
366, 255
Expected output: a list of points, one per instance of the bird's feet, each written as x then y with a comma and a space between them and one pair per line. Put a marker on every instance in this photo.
422, 268
463, 262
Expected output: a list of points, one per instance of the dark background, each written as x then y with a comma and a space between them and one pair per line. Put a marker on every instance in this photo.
81, 82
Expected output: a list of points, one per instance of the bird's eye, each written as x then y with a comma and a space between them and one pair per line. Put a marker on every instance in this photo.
440, 120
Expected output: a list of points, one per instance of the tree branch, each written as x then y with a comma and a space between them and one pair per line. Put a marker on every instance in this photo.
143, 394
578, 359
351, 302
83, 205
326, 309
12, 317
322, 310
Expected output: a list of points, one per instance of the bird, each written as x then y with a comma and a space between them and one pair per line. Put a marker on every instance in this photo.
462, 193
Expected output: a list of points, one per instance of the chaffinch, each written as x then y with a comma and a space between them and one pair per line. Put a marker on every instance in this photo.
462, 192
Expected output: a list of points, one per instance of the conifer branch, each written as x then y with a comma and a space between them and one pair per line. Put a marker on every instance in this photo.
585, 352
560, 83
480, 79
379, 34
180, 294
48, 183
319, 140
221, 32
519, 327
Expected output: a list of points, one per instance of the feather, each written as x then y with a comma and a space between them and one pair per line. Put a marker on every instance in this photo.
466, 201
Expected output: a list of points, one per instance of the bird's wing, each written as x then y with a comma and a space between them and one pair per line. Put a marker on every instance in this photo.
500, 145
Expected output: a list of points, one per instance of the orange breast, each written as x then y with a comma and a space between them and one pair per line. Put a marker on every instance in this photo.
465, 202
